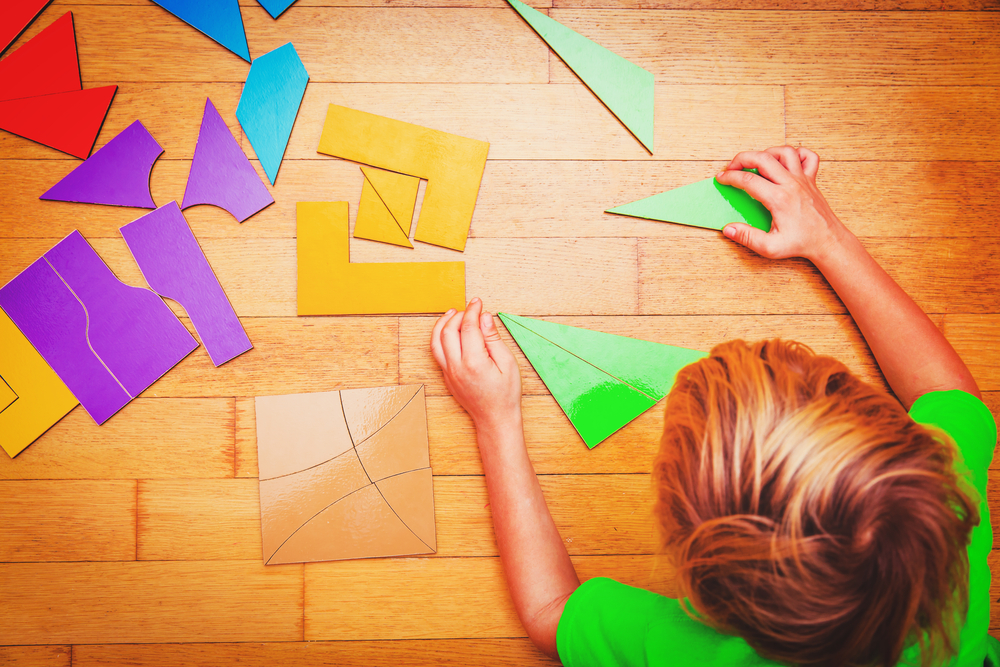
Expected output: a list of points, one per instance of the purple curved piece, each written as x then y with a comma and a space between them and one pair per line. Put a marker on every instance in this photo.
130, 329
175, 267
221, 174
116, 175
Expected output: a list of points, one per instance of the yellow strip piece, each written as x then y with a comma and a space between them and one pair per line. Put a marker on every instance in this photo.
375, 222
41, 397
452, 165
330, 285
397, 191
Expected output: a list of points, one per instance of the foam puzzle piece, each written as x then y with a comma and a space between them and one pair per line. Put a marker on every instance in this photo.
69, 122
328, 284
386, 209
33, 397
706, 204
625, 88
221, 174
270, 102
601, 381
175, 267
116, 175
452, 165
218, 19
338, 508
106, 340
276, 7
15, 17
46, 64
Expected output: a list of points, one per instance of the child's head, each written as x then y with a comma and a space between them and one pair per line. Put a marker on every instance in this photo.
807, 513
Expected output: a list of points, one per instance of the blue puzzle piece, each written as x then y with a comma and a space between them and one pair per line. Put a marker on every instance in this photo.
219, 19
276, 7
269, 103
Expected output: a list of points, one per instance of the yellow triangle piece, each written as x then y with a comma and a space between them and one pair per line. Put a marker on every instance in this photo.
397, 191
375, 222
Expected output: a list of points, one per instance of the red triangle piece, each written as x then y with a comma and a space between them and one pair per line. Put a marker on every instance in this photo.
47, 64
15, 17
69, 122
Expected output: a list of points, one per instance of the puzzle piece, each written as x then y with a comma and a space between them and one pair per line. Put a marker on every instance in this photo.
221, 174
625, 88
328, 284
175, 267
218, 19
15, 17
116, 175
706, 204
69, 122
601, 381
46, 64
106, 340
276, 7
452, 165
40, 398
386, 209
319, 498
270, 102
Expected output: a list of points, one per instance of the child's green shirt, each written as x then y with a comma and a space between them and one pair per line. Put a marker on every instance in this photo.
608, 623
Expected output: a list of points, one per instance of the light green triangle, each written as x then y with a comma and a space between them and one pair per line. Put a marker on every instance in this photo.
625, 88
596, 403
703, 204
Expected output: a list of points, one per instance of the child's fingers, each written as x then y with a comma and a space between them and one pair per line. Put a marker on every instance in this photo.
756, 239
473, 345
788, 157
765, 164
451, 341
756, 186
809, 162
494, 344
437, 350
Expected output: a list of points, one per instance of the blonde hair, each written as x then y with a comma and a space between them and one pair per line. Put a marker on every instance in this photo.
806, 512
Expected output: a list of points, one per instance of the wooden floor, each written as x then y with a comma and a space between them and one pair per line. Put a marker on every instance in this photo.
137, 543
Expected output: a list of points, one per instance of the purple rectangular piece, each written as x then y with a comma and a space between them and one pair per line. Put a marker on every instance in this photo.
175, 267
130, 329
55, 322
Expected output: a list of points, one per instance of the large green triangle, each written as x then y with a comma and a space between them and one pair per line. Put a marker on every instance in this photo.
703, 204
625, 88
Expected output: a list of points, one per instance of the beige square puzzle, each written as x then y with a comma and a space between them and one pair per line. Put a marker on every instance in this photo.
345, 474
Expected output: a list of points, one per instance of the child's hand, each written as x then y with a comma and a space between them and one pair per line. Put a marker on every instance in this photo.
479, 370
802, 225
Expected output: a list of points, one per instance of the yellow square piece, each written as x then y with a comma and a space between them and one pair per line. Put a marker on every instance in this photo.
452, 165
330, 285
386, 207
41, 397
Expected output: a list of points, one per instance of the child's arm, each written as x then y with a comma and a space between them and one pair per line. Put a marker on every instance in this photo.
913, 354
482, 375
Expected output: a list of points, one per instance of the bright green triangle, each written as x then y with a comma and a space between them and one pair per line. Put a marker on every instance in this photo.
625, 88
703, 204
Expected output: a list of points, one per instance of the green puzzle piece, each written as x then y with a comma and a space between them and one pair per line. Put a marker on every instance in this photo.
625, 88
601, 381
703, 204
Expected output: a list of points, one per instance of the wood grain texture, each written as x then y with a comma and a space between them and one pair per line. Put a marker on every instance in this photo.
977, 338
43, 520
95, 603
767, 47
149, 438
36, 656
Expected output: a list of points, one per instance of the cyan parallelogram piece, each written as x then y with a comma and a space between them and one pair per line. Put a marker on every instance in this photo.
219, 19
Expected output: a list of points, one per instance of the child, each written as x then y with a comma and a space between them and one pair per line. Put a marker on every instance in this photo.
811, 520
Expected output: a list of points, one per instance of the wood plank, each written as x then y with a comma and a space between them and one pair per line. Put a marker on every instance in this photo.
992, 401
469, 652
341, 602
842, 5
533, 199
100, 603
149, 438
894, 122
246, 438
36, 656
977, 339
538, 4
901, 48
67, 520
943, 275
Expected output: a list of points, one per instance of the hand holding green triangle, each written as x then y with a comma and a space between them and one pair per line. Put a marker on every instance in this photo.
625, 88
601, 381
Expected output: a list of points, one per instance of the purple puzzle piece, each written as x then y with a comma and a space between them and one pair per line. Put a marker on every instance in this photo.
176, 268
117, 175
221, 174
133, 332
55, 322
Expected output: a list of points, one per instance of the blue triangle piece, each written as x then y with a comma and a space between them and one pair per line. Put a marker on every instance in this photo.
269, 103
276, 7
219, 19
